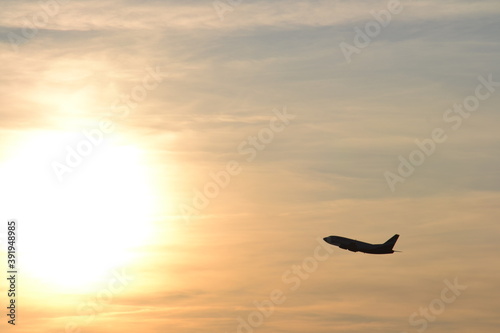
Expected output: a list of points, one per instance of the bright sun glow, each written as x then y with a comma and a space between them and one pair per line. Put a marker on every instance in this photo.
72, 233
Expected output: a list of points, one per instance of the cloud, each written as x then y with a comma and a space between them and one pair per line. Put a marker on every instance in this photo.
324, 174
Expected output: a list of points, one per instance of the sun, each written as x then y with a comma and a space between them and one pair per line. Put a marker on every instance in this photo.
73, 232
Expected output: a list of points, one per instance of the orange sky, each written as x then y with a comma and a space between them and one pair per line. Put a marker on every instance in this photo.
173, 166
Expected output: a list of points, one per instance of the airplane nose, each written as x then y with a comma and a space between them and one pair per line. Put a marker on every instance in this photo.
326, 239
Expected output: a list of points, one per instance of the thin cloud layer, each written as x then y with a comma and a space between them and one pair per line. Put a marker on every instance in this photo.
322, 171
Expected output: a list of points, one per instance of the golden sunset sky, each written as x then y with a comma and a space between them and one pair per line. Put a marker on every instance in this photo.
174, 165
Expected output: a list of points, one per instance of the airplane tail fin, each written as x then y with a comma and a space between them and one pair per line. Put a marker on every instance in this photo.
391, 241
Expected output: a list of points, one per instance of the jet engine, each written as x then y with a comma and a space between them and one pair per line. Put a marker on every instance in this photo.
352, 247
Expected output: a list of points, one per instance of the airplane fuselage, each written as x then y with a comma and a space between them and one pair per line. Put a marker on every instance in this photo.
358, 246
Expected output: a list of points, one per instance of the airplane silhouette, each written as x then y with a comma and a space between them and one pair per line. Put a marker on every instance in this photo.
357, 246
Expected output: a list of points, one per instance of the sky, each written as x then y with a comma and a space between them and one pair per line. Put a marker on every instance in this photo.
173, 166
